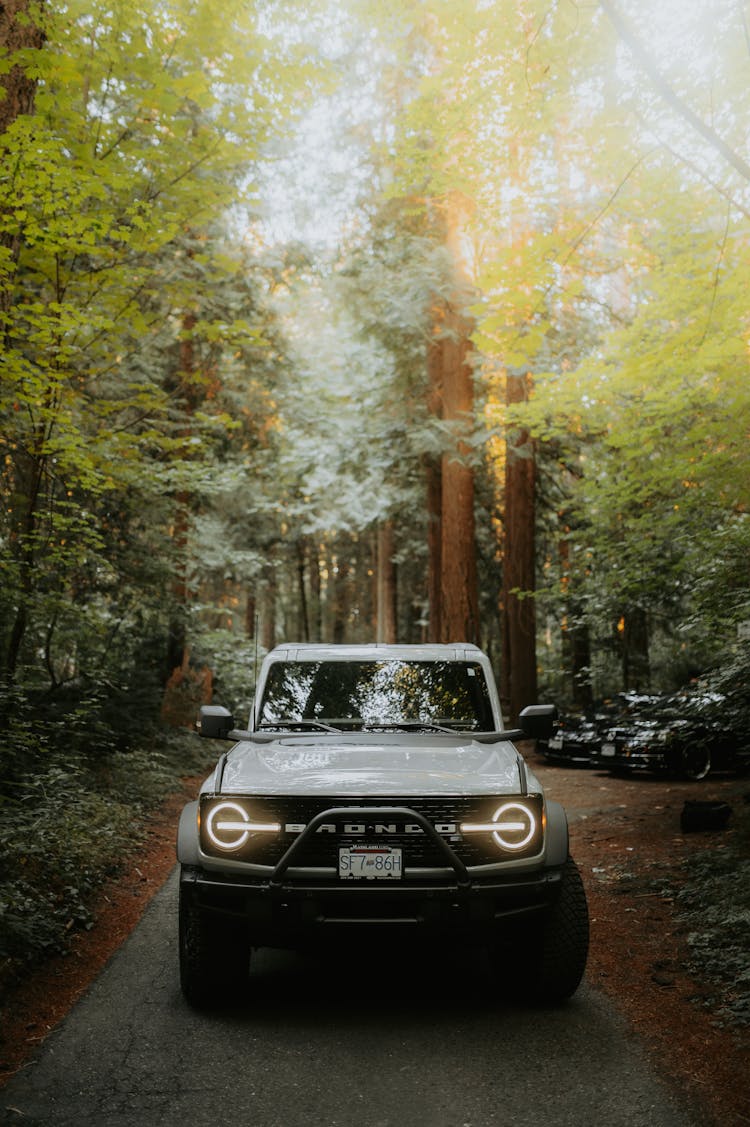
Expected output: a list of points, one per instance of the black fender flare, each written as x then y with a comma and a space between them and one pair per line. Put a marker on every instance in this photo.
187, 835
557, 834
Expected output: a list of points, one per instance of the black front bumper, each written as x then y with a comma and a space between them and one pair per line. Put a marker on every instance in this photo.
290, 913
286, 909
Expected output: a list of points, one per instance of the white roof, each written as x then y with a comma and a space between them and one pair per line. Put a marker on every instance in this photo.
376, 651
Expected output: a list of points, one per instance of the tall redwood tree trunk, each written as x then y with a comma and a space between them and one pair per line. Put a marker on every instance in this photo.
519, 674
452, 568
459, 617
434, 489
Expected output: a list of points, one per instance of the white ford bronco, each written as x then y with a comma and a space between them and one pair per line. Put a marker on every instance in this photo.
375, 792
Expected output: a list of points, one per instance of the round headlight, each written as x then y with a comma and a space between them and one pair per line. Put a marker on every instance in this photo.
228, 826
515, 825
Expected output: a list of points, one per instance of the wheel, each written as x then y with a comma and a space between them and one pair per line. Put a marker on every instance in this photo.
214, 955
558, 963
695, 761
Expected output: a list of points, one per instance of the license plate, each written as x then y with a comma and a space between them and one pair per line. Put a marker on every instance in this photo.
608, 749
369, 862
556, 743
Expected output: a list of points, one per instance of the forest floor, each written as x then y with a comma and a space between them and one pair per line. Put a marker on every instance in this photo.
647, 949
626, 839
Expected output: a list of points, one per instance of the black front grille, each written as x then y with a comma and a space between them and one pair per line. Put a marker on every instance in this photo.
419, 850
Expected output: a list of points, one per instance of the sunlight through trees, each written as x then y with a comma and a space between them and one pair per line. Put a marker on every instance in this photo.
373, 320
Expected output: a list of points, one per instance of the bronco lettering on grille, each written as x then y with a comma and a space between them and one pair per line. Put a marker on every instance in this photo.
357, 829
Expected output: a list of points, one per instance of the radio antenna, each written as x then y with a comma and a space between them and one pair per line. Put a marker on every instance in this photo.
255, 673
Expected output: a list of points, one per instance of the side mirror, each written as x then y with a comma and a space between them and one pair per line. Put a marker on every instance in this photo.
537, 720
216, 722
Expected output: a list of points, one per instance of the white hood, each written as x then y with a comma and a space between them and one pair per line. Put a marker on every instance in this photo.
372, 764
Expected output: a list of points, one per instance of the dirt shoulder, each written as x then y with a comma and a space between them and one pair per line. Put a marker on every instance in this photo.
627, 841
625, 834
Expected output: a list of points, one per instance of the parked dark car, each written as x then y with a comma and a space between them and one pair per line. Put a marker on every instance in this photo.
700, 736
575, 738
629, 740
686, 734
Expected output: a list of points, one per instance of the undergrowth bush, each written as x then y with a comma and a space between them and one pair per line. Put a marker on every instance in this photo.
58, 844
711, 897
73, 797
713, 907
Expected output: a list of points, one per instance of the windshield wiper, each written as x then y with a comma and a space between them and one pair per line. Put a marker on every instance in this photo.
407, 726
295, 725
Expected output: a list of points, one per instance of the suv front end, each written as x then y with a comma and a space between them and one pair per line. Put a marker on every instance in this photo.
363, 824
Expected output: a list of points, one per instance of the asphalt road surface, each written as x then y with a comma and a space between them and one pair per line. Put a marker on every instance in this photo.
334, 1043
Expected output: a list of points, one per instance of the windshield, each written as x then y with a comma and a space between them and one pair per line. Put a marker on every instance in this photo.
373, 694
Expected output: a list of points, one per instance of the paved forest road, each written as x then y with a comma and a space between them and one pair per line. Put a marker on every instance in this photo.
320, 1044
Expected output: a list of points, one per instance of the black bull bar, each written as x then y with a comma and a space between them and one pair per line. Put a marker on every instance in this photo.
337, 813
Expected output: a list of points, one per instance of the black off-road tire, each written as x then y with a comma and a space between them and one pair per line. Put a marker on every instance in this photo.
558, 964
214, 956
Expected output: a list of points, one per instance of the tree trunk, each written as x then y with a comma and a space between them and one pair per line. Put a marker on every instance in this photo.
519, 673
451, 396
17, 34
634, 644
576, 640
182, 381
316, 609
340, 608
579, 661
21, 546
459, 615
434, 486
30, 503
250, 616
303, 615
268, 614
386, 585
